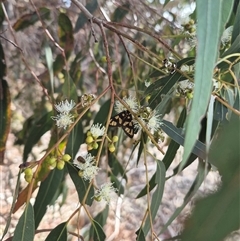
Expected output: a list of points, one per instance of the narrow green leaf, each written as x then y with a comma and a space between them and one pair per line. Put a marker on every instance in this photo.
217, 216
5, 109
39, 128
49, 60
69, 88
236, 29
2, 16
220, 111
212, 16
81, 185
140, 235
157, 195
209, 128
25, 228
116, 166
59, 233
96, 231
5, 116
15, 196
173, 146
75, 139
46, 192
230, 98
65, 33
117, 184
102, 114
143, 141
177, 135
192, 191
2, 63
29, 19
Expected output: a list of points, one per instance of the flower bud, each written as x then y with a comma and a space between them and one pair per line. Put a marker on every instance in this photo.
115, 139
28, 178
60, 165
66, 157
111, 148
28, 172
89, 140
51, 160
95, 145
52, 166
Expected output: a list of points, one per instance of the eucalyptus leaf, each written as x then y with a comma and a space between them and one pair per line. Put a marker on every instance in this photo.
25, 228
59, 233
208, 14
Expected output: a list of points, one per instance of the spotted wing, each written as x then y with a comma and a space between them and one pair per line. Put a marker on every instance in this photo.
124, 120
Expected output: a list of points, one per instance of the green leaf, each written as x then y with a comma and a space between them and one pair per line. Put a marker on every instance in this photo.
2, 63
46, 192
39, 128
230, 98
143, 142
25, 227
75, 69
177, 135
69, 89
5, 116
5, 108
157, 195
2, 16
102, 114
173, 146
202, 172
220, 111
212, 16
116, 166
65, 33
59, 233
96, 231
81, 185
166, 84
49, 60
140, 235
218, 214
29, 19
75, 139
236, 29
117, 184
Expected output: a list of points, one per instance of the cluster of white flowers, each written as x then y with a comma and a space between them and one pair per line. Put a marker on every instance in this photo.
105, 192
87, 169
130, 101
64, 119
97, 130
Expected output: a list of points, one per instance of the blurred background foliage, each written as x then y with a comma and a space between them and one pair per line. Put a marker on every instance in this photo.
112, 49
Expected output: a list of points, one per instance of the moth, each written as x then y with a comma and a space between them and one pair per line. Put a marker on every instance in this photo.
125, 120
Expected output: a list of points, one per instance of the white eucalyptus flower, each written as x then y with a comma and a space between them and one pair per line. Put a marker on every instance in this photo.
97, 130
105, 192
